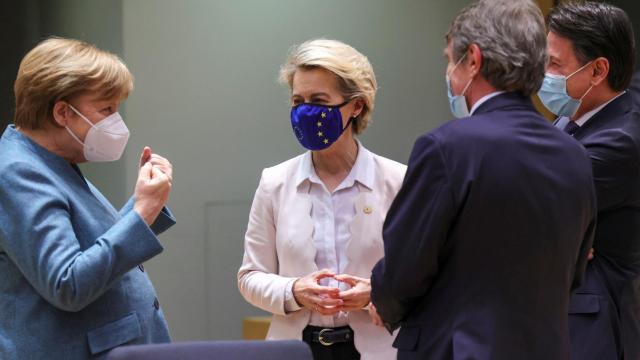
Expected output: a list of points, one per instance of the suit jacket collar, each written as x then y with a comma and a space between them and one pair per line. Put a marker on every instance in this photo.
12, 134
505, 101
615, 109
52, 160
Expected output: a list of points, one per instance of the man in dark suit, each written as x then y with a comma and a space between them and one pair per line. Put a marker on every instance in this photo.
492, 226
594, 41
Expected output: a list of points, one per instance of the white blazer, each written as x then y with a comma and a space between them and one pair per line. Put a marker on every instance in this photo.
279, 247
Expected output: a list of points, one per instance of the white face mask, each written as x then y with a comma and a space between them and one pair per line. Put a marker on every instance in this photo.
106, 140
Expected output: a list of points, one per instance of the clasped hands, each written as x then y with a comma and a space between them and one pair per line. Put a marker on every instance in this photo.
327, 300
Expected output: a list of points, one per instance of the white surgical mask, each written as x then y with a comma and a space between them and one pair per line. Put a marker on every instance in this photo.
106, 140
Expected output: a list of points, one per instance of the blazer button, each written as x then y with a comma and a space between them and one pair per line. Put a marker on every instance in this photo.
141, 267
156, 304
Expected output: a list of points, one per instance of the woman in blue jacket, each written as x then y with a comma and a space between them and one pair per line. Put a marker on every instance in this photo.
71, 281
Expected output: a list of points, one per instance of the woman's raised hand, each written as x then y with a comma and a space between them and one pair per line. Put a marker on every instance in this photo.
153, 185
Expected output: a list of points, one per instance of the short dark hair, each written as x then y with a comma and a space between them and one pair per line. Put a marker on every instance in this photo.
598, 30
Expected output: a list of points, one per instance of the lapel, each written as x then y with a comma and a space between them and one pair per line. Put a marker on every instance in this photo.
92, 192
302, 223
615, 109
68, 173
361, 227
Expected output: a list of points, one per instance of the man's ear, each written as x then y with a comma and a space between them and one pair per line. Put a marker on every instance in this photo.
61, 113
600, 71
474, 59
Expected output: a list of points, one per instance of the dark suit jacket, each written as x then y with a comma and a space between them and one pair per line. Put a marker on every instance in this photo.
486, 238
605, 311
635, 89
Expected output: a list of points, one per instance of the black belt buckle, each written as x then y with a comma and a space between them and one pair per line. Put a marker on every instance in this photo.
321, 339
327, 336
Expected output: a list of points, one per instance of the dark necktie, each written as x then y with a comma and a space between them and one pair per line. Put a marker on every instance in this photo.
571, 128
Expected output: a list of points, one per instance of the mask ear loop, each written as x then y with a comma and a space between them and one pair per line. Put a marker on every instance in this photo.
82, 116
582, 67
575, 72
349, 122
454, 69
585, 94
74, 136
458, 63
467, 87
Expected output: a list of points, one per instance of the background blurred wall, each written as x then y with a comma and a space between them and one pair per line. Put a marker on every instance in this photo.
207, 98
19, 31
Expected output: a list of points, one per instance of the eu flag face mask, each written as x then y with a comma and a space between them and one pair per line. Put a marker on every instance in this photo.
106, 140
458, 103
317, 126
553, 94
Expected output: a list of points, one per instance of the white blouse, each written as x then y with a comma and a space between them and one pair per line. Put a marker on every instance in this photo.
332, 214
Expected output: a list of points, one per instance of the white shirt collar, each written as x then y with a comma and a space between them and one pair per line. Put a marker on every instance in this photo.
362, 170
588, 115
484, 99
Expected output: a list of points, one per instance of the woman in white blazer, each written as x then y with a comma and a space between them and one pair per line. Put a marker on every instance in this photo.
315, 228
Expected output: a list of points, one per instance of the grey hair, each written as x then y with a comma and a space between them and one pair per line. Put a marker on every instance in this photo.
512, 38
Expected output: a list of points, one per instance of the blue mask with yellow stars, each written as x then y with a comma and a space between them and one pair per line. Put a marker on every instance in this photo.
317, 126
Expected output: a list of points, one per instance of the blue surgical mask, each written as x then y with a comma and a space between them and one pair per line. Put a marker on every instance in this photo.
553, 94
317, 126
457, 103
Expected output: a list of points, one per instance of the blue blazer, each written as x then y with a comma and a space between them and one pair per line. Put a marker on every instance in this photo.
71, 283
486, 238
604, 315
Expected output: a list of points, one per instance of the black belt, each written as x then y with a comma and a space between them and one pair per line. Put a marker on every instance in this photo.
327, 336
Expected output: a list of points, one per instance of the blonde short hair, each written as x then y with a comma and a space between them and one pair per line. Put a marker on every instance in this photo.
355, 74
57, 69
